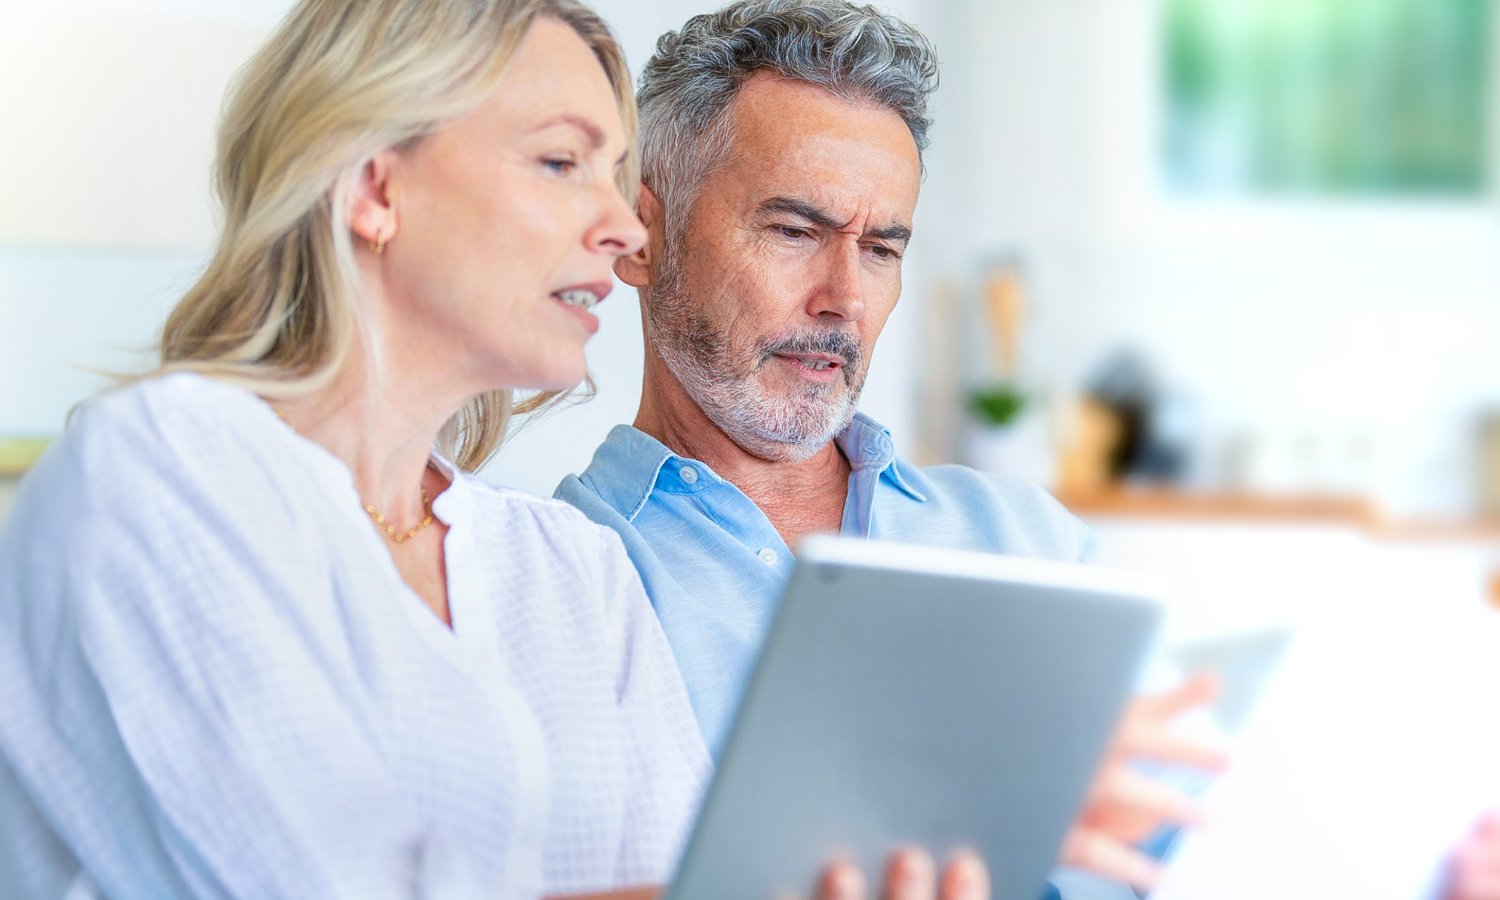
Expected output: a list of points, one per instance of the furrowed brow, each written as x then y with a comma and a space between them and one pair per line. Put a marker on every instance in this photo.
817, 215
808, 212
896, 233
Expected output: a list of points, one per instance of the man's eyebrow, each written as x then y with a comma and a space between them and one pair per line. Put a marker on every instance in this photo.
892, 233
811, 212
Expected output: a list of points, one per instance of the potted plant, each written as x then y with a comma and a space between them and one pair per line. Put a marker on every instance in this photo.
1009, 434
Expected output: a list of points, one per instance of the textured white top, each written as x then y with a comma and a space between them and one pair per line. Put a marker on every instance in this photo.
216, 684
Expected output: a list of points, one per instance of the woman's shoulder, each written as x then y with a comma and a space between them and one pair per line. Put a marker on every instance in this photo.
136, 446
548, 518
172, 408
538, 538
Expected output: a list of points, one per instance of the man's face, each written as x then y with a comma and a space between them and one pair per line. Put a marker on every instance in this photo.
767, 305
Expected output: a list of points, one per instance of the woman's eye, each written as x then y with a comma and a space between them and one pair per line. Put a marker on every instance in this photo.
562, 165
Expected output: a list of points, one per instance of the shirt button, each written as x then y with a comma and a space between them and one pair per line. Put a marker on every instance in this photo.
688, 474
768, 556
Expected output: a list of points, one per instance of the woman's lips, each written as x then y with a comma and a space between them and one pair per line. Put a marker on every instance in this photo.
589, 321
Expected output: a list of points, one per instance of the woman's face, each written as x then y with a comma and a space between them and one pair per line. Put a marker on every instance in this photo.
507, 223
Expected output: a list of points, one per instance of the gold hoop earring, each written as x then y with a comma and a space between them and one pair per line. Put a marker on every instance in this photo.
377, 246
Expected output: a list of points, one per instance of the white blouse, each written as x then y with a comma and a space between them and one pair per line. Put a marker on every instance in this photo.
216, 684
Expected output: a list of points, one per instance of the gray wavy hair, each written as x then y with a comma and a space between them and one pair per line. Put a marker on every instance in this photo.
855, 52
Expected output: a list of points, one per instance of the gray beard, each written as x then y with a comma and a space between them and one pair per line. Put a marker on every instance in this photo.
777, 428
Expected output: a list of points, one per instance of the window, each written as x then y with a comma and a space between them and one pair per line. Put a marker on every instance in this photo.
1326, 97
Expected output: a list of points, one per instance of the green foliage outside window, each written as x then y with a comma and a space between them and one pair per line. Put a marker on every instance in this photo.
1343, 97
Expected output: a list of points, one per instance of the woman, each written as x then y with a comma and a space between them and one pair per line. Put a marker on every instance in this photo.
256, 638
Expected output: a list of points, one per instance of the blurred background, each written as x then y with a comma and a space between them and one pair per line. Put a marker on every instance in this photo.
1222, 274
1181, 261
1233, 259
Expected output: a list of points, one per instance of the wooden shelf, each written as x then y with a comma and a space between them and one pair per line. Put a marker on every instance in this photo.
1162, 503
1358, 512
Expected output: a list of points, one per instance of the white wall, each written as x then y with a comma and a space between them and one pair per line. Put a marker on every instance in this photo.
1329, 323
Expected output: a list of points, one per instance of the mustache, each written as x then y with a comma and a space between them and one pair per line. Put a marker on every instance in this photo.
834, 343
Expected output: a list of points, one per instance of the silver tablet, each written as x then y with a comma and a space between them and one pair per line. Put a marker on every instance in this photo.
1245, 662
911, 695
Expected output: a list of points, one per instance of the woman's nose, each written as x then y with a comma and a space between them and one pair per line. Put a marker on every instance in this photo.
618, 232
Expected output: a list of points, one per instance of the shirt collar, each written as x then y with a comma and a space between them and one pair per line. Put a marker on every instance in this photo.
867, 445
631, 464
624, 469
454, 505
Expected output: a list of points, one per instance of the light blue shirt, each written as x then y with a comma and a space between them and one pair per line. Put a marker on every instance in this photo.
714, 566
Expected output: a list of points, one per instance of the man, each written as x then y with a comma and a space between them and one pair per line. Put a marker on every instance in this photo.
782, 148
782, 145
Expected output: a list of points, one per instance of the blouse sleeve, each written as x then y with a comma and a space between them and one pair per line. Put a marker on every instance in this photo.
168, 711
665, 754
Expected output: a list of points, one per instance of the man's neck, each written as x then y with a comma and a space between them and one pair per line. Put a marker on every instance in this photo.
799, 498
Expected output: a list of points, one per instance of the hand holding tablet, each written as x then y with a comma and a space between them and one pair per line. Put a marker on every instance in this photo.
1125, 807
917, 697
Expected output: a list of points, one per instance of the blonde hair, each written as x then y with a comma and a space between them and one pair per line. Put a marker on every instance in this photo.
278, 311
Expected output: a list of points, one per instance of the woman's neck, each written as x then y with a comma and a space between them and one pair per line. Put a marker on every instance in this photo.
382, 429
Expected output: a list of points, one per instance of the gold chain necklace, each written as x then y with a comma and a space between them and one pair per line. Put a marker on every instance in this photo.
379, 519
390, 530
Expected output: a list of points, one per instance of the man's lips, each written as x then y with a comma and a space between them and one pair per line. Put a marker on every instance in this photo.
813, 366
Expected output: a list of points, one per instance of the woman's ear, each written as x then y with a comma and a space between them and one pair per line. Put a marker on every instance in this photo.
636, 269
371, 205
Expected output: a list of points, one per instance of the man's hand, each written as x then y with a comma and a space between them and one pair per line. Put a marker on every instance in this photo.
1125, 807
1475, 871
911, 875
1122, 809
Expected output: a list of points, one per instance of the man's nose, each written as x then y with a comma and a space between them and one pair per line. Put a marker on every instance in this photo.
840, 294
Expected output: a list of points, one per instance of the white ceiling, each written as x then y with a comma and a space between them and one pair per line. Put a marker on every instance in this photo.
258, 13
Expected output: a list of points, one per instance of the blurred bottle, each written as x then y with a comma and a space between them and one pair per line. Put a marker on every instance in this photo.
1489, 464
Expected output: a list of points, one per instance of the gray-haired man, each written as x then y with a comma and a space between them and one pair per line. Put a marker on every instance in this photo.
781, 166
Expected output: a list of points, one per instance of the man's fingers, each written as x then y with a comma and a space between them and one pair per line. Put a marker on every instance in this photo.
841, 881
910, 875
1102, 855
965, 878
1136, 798
1196, 691
1157, 743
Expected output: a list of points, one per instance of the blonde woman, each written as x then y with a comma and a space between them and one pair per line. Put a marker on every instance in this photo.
258, 639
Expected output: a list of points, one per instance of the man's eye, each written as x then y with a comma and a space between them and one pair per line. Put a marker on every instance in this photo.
884, 252
793, 232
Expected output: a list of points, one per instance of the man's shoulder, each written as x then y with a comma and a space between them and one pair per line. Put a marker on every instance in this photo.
999, 513
619, 478
957, 481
